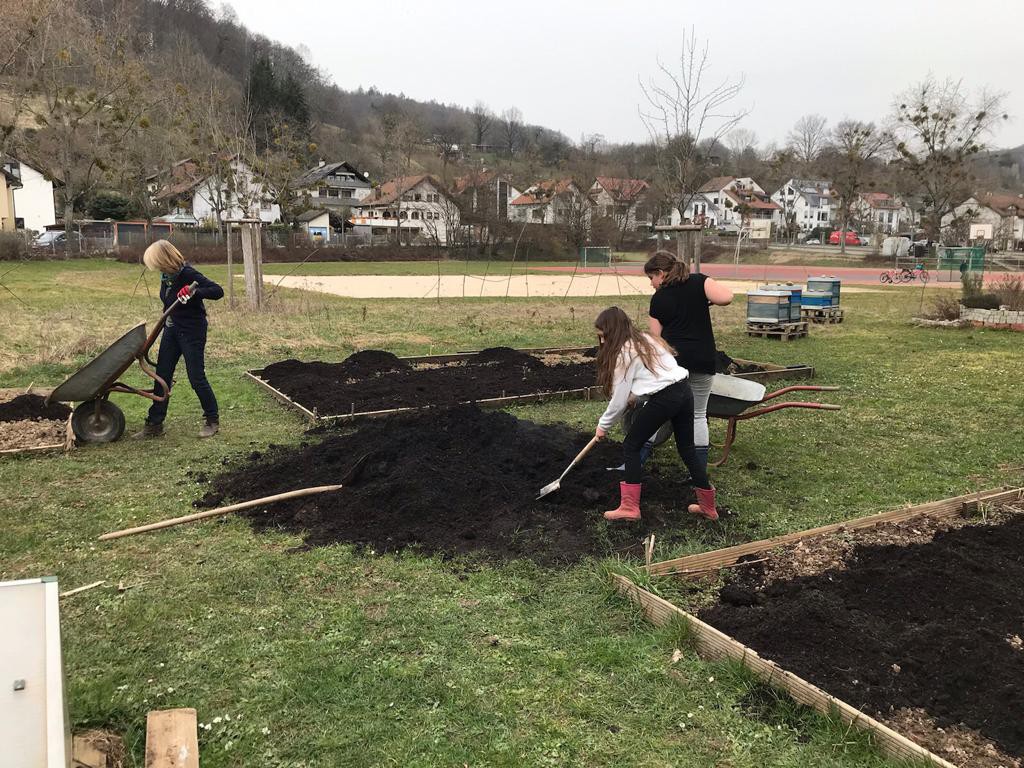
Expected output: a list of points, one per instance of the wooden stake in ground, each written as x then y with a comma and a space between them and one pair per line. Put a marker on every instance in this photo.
75, 591
220, 511
172, 739
252, 259
231, 272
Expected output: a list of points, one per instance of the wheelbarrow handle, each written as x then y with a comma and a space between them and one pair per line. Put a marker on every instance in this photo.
160, 324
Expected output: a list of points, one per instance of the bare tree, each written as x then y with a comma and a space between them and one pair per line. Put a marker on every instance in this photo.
937, 130
26, 37
89, 96
854, 146
483, 119
684, 112
512, 130
740, 140
446, 140
807, 140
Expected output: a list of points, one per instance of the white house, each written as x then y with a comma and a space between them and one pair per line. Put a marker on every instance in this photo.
316, 223
553, 201
333, 185
805, 203
624, 201
418, 206
33, 200
226, 188
880, 212
729, 202
485, 193
998, 218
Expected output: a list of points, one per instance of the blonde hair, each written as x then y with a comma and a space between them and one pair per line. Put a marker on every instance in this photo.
162, 256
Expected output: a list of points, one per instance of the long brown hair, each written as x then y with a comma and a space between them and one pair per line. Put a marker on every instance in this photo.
618, 331
675, 271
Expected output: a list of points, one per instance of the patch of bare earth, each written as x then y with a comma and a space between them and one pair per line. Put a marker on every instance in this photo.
960, 745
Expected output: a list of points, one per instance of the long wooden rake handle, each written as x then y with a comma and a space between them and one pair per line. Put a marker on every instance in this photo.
220, 511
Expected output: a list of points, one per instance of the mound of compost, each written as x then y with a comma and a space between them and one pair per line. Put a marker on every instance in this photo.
33, 408
457, 481
337, 388
934, 625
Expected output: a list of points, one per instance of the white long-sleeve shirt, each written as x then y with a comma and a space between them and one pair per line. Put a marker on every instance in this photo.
633, 377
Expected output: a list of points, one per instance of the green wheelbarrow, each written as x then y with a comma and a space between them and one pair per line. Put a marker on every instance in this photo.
96, 419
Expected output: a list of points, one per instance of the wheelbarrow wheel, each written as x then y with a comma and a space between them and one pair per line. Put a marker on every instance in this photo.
97, 421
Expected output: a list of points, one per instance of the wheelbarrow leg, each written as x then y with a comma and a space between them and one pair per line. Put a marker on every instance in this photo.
730, 435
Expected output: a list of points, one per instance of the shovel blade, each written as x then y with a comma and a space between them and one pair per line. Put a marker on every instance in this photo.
549, 488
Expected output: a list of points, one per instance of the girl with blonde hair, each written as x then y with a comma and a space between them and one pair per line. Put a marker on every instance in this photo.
184, 334
635, 365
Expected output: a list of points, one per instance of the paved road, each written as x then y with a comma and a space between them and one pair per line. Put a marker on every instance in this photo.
776, 273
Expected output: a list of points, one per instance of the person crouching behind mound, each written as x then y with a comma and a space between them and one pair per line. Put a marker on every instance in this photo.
184, 334
635, 365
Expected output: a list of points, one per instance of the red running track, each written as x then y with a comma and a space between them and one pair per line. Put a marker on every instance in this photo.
779, 273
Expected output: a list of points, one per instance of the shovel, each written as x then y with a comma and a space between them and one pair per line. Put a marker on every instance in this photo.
551, 487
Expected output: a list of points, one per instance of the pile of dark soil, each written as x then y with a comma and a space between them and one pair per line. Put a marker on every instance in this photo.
457, 481
933, 625
336, 388
33, 408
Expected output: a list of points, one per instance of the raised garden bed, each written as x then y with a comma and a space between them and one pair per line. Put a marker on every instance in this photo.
910, 620
29, 425
455, 482
375, 383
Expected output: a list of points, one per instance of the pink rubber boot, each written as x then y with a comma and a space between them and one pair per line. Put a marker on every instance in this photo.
705, 505
629, 506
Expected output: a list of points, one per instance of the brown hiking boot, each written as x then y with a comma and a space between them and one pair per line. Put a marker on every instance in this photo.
148, 431
210, 429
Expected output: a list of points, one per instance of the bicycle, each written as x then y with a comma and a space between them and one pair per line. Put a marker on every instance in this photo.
911, 275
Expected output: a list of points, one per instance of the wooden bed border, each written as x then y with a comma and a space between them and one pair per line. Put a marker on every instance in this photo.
944, 509
715, 645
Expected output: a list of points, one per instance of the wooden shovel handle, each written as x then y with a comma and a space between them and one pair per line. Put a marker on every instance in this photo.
219, 511
581, 454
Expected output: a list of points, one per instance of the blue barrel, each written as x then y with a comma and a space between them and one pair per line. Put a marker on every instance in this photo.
825, 284
817, 299
795, 296
768, 306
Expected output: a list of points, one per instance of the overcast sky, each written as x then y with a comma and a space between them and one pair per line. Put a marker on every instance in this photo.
573, 65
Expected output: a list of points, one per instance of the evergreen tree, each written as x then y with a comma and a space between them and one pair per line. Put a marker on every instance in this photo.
292, 101
262, 87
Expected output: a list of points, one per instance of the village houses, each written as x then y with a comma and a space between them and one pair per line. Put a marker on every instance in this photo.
485, 194
991, 217
223, 188
805, 203
417, 206
553, 201
26, 200
333, 185
623, 200
880, 212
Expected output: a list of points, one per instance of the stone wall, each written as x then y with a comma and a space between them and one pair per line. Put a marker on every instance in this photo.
993, 318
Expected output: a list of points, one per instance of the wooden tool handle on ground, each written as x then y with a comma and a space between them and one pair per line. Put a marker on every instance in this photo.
220, 511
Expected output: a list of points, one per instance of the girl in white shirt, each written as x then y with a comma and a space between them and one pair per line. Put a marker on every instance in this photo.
631, 365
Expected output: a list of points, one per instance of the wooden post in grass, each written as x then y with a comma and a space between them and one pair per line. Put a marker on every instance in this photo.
231, 272
252, 260
689, 242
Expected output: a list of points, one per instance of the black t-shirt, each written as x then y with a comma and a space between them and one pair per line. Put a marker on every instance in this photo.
682, 309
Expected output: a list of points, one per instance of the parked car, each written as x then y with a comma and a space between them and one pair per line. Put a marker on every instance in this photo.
812, 241
851, 238
55, 239
863, 240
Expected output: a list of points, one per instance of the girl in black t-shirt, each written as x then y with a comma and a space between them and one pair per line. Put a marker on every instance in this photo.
680, 314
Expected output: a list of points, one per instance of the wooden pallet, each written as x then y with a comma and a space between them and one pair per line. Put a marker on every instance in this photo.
783, 331
822, 314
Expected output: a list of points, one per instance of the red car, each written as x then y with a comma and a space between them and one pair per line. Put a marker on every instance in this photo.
851, 237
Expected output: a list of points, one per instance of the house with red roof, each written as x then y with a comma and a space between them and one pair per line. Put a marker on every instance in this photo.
995, 217
880, 212
417, 209
553, 201
623, 200
485, 194
730, 202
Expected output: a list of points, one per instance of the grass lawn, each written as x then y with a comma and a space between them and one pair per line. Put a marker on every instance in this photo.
333, 658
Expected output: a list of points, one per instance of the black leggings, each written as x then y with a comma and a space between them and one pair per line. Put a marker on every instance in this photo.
674, 403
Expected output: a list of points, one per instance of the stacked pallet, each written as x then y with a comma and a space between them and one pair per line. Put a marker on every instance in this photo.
770, 314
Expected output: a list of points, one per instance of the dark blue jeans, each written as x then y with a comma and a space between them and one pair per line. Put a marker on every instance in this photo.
175, 343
